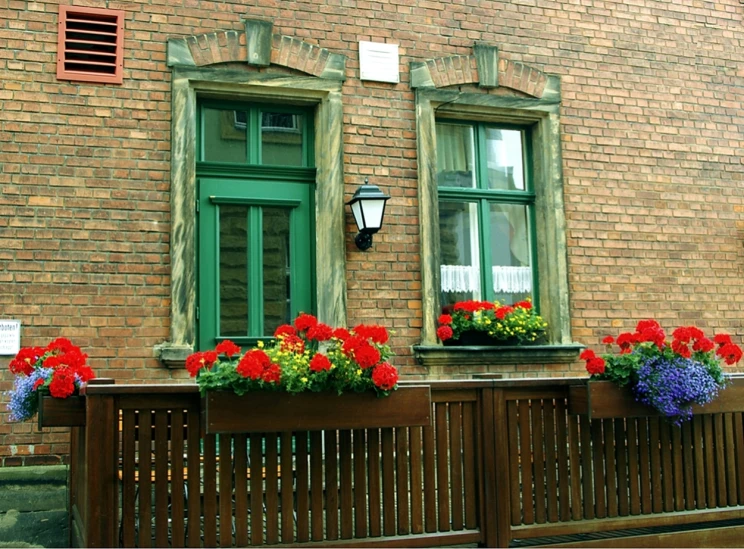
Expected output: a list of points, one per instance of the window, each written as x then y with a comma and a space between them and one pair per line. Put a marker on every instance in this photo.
486, 213
255, 192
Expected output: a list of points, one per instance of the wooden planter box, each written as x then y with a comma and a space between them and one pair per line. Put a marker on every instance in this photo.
604, 399
61, 412
226, 412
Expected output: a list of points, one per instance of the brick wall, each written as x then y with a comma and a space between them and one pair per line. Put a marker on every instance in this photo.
652, 146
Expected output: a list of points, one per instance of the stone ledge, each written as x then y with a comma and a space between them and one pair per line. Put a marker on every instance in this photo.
436, 355
173, 356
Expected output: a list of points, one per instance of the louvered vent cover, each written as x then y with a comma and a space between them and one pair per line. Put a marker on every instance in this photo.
90, 45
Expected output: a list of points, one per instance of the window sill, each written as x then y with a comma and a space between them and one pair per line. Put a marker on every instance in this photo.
173, 356
437, 355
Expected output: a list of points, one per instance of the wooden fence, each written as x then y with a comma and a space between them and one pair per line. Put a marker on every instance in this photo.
503, 462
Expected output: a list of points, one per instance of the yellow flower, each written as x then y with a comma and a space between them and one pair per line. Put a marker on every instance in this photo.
303, 379
260, 344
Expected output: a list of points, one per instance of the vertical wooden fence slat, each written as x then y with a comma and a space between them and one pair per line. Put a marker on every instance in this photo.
633, 467
709, 460
667, 470
360, 484
225, 489
287, 495
194, 476
430, 492
656, 472
128, 489
145, 479
375, 488
688, 465
562, 461
490, 511
645, 464
574, 464
417, 495
272, 489
241, 490
679, 474
210, 491
720, 466
316, 485
731, 487
455, 444
608, 427
442, 457
587, 478
331, 484
303, 487
347, 519
470, 464
512, 421
525, 462
501, 470
550, 459
401, 480
177, 479
600, 503
701, 494
101, 457
538, 459
161, 478
255, 466
621, 451
739, 439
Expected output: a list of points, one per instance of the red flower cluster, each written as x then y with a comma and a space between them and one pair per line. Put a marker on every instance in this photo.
67, 361
256, 364
594, 363
197, 361
385, 376
360, 349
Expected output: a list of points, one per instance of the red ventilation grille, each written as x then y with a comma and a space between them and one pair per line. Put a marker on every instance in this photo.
90, 46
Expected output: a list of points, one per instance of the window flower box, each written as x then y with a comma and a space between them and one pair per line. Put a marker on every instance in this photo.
61, 412
226, 412
605, 400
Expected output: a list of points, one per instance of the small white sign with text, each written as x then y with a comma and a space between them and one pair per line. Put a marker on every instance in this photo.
10, 337
379, 62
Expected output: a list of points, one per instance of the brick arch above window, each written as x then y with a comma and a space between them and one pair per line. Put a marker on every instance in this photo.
483, 67
257, 45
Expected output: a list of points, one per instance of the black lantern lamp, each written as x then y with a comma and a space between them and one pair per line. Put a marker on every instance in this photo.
368, 207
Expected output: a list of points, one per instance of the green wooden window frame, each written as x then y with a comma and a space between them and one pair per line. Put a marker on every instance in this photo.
484, 197
253, 185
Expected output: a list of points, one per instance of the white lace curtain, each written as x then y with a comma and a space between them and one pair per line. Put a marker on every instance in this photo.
466, 278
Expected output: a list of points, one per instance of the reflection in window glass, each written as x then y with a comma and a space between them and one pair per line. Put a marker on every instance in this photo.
276, 268
281, 139
459, 247
233, 270
224, 136
455, 156
504, 159
510, 252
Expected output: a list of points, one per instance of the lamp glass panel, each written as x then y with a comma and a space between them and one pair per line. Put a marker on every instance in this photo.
356, 210
373, 210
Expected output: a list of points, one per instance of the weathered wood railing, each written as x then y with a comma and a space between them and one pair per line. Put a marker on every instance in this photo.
503, 460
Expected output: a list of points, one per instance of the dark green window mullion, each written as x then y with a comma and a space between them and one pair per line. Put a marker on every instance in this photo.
533, 256
255, 272
484, 218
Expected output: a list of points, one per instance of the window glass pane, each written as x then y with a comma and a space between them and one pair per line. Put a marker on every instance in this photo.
510, 252
455, 156
281, 139
233, 270
276, 293
504, 159
460, 252
224, 135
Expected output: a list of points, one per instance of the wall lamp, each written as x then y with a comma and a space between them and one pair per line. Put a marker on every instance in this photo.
368, 207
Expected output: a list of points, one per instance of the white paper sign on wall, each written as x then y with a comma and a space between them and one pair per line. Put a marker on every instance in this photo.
379, 62
10, 337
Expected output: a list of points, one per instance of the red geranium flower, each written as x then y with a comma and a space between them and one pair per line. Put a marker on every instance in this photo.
285, 329
595, 365
609, 340
646, 324
253, 364
385, 376
341, 334
703, 345
320, 363
501, 312
63, 383
227, 348
526, 304
445, 319
376, 333
24, 361
681, 348
366, 355
305, 321
62, 344
38, 383
682, 334
320, 332
197, 361
444, 333
730, 353
272, 374
292, 343
587, 354
722, 339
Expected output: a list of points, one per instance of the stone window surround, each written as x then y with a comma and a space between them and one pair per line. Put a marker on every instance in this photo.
323, 92
535, 105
